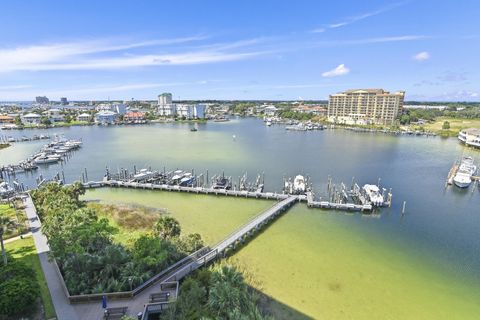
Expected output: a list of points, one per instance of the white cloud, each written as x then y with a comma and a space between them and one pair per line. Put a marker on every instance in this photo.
340, 70
86, 55
359, 17
421, 56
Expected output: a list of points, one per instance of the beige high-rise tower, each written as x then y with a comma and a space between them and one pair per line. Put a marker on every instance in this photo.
365, 106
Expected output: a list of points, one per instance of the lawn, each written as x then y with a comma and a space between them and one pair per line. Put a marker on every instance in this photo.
24, 250
455, 125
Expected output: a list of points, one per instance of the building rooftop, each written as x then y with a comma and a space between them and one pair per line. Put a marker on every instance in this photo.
472, 131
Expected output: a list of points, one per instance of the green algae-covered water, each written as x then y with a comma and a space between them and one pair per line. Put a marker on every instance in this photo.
424, 264
314, 265
210, 216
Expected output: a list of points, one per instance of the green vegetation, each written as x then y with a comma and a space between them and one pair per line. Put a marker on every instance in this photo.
22, 251
82, 243
454, 125
16, 218
289, 114
216, 293
4, 145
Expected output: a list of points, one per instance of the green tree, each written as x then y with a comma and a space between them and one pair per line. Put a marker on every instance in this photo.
446, 125
18, 121
167, 227
18, 290
45, 121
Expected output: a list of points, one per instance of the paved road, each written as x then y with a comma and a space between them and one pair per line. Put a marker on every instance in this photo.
64, 310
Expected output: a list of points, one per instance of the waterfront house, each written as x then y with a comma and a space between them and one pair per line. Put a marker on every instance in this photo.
54, 115
31, 118
134, 116
6, 119
106, 117
317, 110
471, 137
84, 117
270, 111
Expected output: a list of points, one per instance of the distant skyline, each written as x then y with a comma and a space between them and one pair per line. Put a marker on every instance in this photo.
272, 50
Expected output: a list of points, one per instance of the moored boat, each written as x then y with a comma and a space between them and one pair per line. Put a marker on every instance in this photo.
463, 177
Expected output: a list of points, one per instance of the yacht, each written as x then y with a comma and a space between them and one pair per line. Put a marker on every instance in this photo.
373, 194
463, 177
268, 123
299, 186
142, 175
222, 183
177, 176
46, 159
187, 180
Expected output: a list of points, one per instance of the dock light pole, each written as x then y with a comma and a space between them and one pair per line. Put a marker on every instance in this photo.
130, 282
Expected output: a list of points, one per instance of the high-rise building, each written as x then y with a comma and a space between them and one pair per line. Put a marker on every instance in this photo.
164, 99
63, 101
42, 100
365, 106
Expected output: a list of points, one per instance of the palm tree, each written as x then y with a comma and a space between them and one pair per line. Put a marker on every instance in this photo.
5, 223
167, 227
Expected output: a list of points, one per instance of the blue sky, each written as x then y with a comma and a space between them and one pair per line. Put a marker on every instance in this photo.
281, 50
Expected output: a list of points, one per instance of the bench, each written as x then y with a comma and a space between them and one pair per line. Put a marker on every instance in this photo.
115, 313
159, 297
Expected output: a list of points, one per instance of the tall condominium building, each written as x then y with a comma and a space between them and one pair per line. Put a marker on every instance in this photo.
42, 100
365, 106
164, 99
63, 101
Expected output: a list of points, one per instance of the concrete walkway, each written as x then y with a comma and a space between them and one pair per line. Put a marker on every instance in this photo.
23, 236
64, 310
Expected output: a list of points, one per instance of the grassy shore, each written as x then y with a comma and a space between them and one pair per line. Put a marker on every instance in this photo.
24, 250
131, 221
455, 125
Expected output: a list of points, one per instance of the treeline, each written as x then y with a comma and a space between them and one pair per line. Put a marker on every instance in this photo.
413, 115
294, 115
216, 293
82, 244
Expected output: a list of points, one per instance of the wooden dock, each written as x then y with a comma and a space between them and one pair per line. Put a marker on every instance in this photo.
198, 190
308, 198
452, 173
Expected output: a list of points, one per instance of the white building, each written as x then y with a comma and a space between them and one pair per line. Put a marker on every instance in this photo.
471, 137
270, 111
164, 99
31, 118
84, 117
54, 115
167, 110
106, 117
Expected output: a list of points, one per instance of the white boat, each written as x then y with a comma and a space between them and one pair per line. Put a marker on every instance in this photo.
46, 160
463, 177
299, 186
187, 180
5, 190
177, 175
268, 123
143, 174
373, 194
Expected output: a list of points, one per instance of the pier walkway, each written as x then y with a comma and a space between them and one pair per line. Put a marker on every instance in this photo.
236, 237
